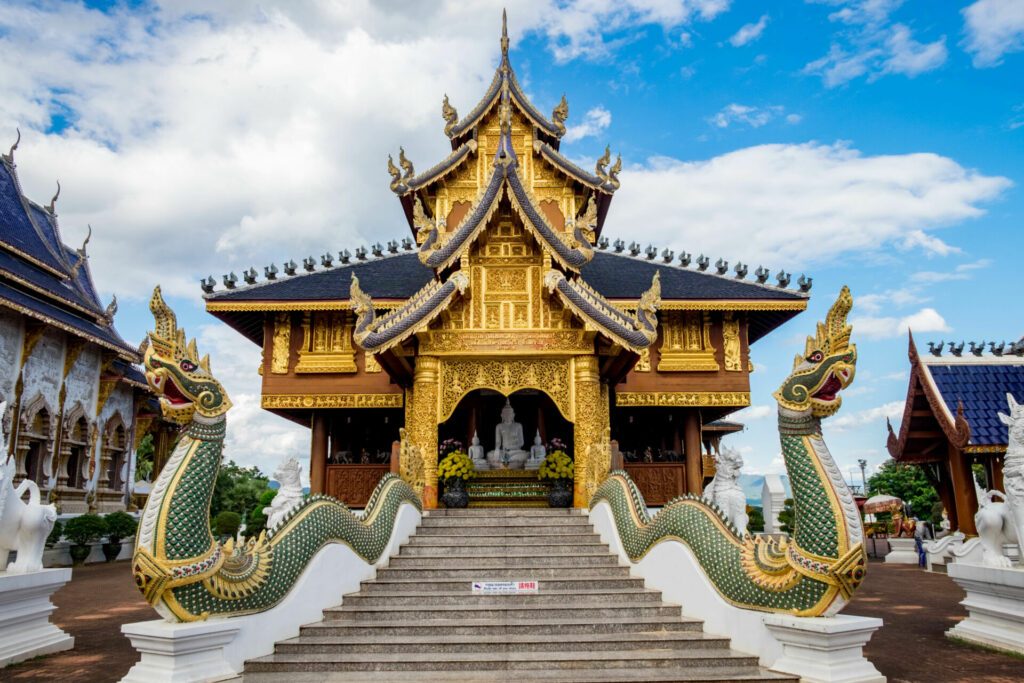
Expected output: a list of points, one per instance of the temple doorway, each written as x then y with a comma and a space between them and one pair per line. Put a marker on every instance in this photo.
480, 411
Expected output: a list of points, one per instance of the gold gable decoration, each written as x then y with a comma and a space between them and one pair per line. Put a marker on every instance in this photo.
326, 343
686, 343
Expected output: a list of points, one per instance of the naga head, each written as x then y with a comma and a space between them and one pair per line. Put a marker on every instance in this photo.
1014, 421
176, 373
825, 368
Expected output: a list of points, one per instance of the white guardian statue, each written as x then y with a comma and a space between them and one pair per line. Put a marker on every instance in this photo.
1013, 463
288, 496
23, 527
725, 491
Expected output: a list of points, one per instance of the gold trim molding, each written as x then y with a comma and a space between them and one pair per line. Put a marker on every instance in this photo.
720, 305
991, 448
683, 398
270, 306
280, 401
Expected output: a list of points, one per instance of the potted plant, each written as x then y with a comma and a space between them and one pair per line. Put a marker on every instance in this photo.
81, 531
55, 534
455, 470
558, 469
120, 525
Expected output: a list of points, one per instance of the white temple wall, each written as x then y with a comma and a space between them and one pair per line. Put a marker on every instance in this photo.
43, 369
11, 332
82, 382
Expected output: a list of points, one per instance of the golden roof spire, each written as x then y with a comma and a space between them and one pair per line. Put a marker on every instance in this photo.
504, 34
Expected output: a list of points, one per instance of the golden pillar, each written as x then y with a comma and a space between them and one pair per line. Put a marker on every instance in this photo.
591, 421
423, 427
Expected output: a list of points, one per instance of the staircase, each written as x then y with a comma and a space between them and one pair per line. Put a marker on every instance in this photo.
589, 621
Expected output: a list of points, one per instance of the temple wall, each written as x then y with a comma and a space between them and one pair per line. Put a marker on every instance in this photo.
10, 353
43, 369
82, 382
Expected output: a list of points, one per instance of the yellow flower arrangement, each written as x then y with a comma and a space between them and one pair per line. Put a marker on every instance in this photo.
456, 465
557, 465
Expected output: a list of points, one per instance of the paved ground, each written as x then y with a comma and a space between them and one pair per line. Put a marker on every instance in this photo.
917, 607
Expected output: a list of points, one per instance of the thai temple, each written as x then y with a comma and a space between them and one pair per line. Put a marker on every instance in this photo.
500, 294
77, 406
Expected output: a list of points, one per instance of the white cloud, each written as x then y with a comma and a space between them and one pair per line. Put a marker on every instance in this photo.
994, 28
755, 117
924, 320
931, 245
801, 203
964, 271
748, 33
871, 417
594, 121
751, 413
794, 118
870, 45
873, 303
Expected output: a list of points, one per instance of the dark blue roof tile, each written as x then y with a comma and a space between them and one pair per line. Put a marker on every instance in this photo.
982, 389
16, 228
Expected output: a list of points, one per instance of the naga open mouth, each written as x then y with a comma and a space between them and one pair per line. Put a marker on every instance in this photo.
173, 394
829, 389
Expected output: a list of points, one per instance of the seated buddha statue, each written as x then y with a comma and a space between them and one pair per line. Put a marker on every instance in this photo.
537, 453
476, 454
508, 450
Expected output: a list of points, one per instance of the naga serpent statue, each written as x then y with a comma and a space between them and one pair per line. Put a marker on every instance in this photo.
816, 570
181, 569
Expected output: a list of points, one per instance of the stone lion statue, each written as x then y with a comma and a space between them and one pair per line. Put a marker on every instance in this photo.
23, 526
288, 496
725, 491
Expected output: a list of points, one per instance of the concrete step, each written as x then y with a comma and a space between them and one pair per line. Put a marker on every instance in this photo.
446, 643
394, 586
525, 538
510, 612
466, 599
504, 512
460, 626
525, 522
679, 675
454, 549
505, 661
506, 561
475, 572
494, 530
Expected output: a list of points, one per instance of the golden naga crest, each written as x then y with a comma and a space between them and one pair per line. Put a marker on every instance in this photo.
175, 372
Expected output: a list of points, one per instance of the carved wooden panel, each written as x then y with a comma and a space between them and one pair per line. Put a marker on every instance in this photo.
353, 484
658, 482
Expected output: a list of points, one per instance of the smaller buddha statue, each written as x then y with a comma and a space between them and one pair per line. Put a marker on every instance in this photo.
477, 455
537, 453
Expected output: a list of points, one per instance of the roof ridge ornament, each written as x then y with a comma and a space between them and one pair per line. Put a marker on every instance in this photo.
9, 157
560, 114
504, 36
53, 202
450, 116
82, 252
111, 310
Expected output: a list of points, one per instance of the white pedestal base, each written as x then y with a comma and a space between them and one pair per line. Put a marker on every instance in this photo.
825, 649
25, 608
995, 606
903, 551
181, 653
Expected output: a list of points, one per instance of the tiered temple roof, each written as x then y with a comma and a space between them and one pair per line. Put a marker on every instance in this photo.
43, 278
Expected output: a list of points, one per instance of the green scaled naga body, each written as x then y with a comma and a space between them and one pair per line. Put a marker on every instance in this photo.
817, 569
180, 568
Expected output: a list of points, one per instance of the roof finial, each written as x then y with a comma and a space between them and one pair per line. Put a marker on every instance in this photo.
82, 253
53, 202
10, 154
504, 34
111, 309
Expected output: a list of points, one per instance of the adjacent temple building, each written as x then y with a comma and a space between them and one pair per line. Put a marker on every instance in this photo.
76, 405
951, 419
506, 300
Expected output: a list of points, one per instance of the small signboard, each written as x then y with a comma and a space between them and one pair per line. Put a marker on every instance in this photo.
505, 587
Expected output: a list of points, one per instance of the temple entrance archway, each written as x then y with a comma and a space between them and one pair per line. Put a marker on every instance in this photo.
480, 411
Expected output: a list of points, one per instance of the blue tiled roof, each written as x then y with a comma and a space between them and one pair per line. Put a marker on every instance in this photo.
982, 389
16, 228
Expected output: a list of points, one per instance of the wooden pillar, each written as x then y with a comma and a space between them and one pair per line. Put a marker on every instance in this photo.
318, 453
944, 487
677, 435
963, 489
691, 442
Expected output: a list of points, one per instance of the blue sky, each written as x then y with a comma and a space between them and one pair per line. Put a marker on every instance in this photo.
874, 143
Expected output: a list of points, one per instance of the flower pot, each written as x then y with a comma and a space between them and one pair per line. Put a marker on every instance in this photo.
111, 551
560, 495
455, 494
79, 553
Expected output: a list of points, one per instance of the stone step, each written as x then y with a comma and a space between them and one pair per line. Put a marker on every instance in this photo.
510, 612
679, 675
395, 586
497, 530
524, 538
522, 522
506, 561
454, 549
505, 661
459, 626
473, 572
465, 598
499, 512
446, 643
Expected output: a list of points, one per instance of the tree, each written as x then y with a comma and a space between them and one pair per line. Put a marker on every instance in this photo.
786, 516
756, 516
237, 489
257, 521
144, 459
906, 482
227, 523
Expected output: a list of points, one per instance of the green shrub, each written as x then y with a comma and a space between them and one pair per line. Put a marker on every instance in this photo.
85, 529
226, 523
120, 525
55, 534
787, 516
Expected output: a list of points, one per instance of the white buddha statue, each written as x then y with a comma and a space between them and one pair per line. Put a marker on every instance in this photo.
476, 454
537, 453
508, 442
